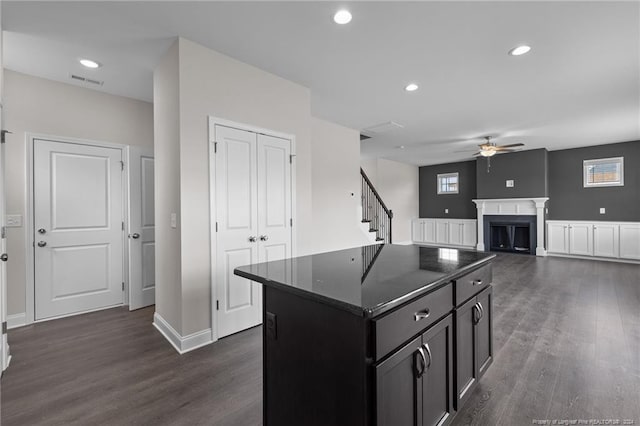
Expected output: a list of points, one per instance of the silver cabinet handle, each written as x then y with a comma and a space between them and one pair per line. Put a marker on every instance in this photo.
42, 231
476, 316
42, 243
4, 257
423, 358
252, 239
428, 349
481, 311
421, 315
263, 238
476, 282
135, 235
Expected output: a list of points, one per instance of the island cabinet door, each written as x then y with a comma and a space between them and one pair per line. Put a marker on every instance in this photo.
437, 379
484, 332
398, 387
465, 377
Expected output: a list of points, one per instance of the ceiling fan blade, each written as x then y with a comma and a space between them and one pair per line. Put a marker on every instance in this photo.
499, 148
513, 145
505, 151
465, 150
477, 154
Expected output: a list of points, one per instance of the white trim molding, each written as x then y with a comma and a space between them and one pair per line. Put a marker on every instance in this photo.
16, 320
513, 206
182, 344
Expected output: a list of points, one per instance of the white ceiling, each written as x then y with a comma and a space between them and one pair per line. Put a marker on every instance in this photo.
580, 84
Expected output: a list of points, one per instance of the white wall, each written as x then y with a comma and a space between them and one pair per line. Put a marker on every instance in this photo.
335, 177
397, 184
36, 105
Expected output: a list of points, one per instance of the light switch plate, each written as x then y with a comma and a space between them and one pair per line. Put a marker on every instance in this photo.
603, 210
510, 183
14, 221
174, 220
446, 211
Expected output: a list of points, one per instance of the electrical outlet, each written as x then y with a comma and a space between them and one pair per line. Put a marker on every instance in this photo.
14, 221
603, 210
446, 211
510, 183
174, 220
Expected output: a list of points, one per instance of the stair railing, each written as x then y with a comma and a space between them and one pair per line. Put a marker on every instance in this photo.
374, 211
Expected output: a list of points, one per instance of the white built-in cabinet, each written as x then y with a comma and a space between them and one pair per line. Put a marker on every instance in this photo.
447, 232
619, 240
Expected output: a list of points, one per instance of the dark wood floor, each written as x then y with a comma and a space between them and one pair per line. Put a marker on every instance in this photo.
567, 347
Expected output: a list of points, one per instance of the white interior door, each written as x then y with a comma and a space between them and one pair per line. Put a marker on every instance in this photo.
78, 228
142, 241
4, 344
274, 198
239, 304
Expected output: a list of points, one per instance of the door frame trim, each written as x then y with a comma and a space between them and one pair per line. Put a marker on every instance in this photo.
213, 121
29, 227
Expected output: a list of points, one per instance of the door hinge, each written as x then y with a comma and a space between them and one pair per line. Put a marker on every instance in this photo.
122, 286
123, 226
215, 147
291, 222
216, 226
4, 327
3, 135
217, 305
122, 165
4, 232
291, 158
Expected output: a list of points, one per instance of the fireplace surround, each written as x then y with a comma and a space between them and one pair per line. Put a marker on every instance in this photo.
513, 207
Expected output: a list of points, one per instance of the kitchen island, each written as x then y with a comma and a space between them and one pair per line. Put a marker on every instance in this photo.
376, 335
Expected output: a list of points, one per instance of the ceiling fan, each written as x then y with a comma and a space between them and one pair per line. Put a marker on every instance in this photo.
489, 149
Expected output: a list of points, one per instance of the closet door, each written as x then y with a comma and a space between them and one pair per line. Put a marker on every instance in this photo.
239, 304
274, 199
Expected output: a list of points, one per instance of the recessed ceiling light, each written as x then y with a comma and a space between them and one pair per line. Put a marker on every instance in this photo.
520, 50
89, 63
342, 17
411, 87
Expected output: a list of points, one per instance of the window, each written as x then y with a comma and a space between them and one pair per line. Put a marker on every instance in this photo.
603, 172
448, 183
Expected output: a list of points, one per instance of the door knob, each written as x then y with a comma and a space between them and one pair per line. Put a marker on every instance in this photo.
263, 238
42, 231
42, 243
4, 257
252, 239
135, 236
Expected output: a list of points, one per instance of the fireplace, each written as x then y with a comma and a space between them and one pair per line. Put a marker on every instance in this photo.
515, 234
511, 212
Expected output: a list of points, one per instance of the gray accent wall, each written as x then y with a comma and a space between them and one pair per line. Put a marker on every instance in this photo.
528, 170
569, 200
460, 205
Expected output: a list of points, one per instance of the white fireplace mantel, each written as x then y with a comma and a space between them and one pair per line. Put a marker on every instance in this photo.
513, 206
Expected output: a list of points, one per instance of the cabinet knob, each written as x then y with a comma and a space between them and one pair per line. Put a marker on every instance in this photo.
264, 237
42, 243
252, 239
476, 282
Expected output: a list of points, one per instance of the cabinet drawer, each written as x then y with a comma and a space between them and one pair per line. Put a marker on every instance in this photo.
470, 284
397, 327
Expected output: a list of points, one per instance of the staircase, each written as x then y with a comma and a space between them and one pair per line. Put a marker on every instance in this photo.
375, 213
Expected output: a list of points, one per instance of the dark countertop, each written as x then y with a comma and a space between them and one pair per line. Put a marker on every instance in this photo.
368, 280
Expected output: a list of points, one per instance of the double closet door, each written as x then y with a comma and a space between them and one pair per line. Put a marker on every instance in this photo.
253, 219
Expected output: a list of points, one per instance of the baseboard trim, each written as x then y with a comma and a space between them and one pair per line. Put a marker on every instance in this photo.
604, 259
182, 344
16, 320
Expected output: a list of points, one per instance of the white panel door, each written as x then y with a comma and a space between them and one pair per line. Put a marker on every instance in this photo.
239, 304
581, 239
456, 232
429, 230
605, 240
142, 234
470, 233
558, 237
630, 241
274, 198
4, 345
442, 232
78, 228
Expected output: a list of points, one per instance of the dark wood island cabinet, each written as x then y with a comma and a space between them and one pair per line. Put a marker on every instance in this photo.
378, 335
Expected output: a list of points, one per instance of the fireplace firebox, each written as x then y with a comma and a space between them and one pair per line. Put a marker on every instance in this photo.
516, 234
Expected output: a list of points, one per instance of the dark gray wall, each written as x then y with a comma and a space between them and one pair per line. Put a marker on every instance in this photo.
460, 205
527, 168
569, 200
